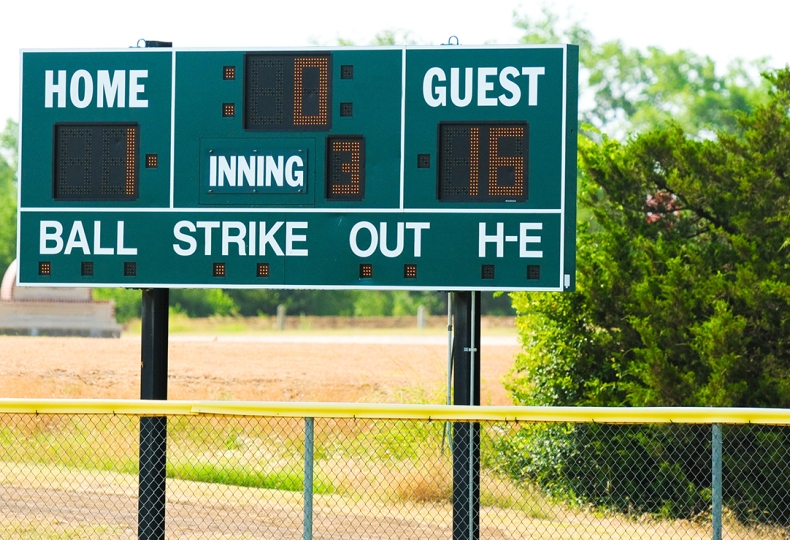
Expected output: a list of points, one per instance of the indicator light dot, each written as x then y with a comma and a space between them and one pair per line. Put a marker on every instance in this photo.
488, 271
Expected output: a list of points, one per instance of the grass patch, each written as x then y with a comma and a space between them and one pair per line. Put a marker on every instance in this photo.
236, 475
34, 530
502, 492
180, 323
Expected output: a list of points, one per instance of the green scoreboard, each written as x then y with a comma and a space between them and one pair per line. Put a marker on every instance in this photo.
442, 168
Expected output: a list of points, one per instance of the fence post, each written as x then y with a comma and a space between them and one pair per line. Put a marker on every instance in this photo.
420, 316
309, 438
716, 482
281, 317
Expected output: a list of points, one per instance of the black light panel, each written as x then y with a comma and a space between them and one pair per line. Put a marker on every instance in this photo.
96, 162
345, 168
483, 162
287, 92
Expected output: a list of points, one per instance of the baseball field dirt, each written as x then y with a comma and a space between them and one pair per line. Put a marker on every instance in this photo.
393, 366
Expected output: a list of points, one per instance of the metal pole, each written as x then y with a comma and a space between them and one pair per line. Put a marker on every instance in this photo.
309, 439
153, 385
472, 447
716, 481
466, 435
153, 430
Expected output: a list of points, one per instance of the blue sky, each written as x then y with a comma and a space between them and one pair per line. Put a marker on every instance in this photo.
723, 29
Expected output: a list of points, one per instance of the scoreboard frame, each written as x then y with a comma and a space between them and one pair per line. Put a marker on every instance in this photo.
416, 168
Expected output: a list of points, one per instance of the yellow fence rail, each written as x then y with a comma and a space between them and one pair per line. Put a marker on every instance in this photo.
579, 415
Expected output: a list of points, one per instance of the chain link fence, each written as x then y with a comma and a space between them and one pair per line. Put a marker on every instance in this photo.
357, 471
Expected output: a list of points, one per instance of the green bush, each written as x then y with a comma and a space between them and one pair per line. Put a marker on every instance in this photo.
660, 470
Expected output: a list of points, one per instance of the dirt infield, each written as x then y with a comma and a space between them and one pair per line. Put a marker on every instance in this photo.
303, 366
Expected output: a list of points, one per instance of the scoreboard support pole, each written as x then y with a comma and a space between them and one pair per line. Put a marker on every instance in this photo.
153, 385
466, 435
153, 429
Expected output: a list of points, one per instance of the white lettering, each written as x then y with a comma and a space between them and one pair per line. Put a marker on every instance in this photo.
252, 230
51, 88
121, 249
207, 227
290, 238
97, 249
87, 89
484, 86
418, 227
498, 238
45, 237
274, 170
212, 175
259, 176
455, 90
294, 178
532, 80
374, 239
399, 242
110, 89
509, 85
524, 239
136, 88
268, 238
246, 171
434, 97
227, 170
181, 237
77, 239
237, 239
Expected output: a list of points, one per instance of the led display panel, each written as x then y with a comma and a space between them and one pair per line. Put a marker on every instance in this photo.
95, 162
287, 92
483, 162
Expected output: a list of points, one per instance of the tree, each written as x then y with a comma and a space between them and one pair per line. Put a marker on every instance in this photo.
633, 90
683, 282
8, 192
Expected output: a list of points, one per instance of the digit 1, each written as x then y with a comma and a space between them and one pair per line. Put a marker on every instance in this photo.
474, 161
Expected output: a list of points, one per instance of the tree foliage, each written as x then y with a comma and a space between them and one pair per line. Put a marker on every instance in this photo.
8, 191
683, 277
632, 90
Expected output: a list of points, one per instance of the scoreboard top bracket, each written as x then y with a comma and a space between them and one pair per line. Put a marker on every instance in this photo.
461, 157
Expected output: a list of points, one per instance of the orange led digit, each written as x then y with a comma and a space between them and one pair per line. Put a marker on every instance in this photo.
483, 162
345, 168
287, 92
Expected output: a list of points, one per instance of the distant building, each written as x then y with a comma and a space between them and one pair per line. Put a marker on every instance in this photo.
53, 311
